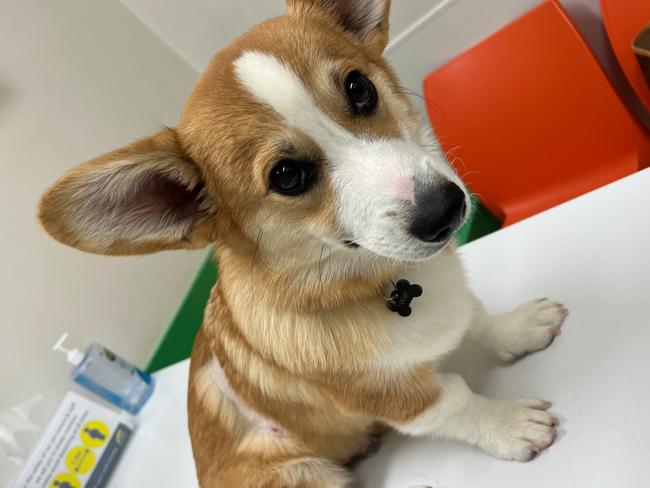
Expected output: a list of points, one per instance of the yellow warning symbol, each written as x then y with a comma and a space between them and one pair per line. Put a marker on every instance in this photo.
65, 480
80, 459
94, 433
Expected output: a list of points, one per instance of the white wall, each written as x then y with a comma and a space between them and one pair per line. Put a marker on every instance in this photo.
425, 33
196, 29
77, 78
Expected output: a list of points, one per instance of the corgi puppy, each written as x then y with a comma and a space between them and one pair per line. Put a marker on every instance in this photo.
301, 160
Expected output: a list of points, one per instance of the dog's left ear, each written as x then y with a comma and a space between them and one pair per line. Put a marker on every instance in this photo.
367, 19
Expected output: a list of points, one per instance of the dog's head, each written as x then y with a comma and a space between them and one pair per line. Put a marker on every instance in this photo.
296, 137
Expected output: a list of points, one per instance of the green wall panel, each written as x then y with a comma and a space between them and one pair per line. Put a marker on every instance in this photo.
176, 343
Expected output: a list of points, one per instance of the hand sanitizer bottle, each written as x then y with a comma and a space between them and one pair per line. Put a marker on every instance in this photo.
109, 376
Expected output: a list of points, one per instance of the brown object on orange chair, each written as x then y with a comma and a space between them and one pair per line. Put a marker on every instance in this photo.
624, 19
531, 119
641, 47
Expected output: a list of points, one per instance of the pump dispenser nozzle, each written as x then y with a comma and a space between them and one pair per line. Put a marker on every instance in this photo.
74, 356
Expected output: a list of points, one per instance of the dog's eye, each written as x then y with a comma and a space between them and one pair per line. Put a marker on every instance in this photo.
361, 93
292, 178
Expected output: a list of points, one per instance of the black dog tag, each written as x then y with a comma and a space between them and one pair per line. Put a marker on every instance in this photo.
402, 296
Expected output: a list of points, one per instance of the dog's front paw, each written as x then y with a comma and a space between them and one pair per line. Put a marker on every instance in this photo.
516, 430
529, 328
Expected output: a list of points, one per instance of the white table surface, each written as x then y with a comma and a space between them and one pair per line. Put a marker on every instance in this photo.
592, 254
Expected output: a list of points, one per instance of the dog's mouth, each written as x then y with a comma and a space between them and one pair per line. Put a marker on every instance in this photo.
425, 251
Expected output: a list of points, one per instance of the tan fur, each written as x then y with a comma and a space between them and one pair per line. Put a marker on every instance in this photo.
300, 352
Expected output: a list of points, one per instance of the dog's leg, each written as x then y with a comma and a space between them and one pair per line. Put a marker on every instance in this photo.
314, 473
516, 430
296, 473
529, 328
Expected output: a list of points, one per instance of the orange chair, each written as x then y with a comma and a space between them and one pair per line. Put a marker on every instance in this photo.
624, 19
530, 118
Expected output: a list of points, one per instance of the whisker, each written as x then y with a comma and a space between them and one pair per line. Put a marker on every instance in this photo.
468, 173
407, 91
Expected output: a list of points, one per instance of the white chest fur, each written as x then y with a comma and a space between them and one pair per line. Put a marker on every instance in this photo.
439, 319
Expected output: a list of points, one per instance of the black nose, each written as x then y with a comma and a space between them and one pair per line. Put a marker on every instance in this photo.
439, 212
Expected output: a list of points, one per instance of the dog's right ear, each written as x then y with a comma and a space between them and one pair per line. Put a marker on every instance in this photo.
367, 19
144, 198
